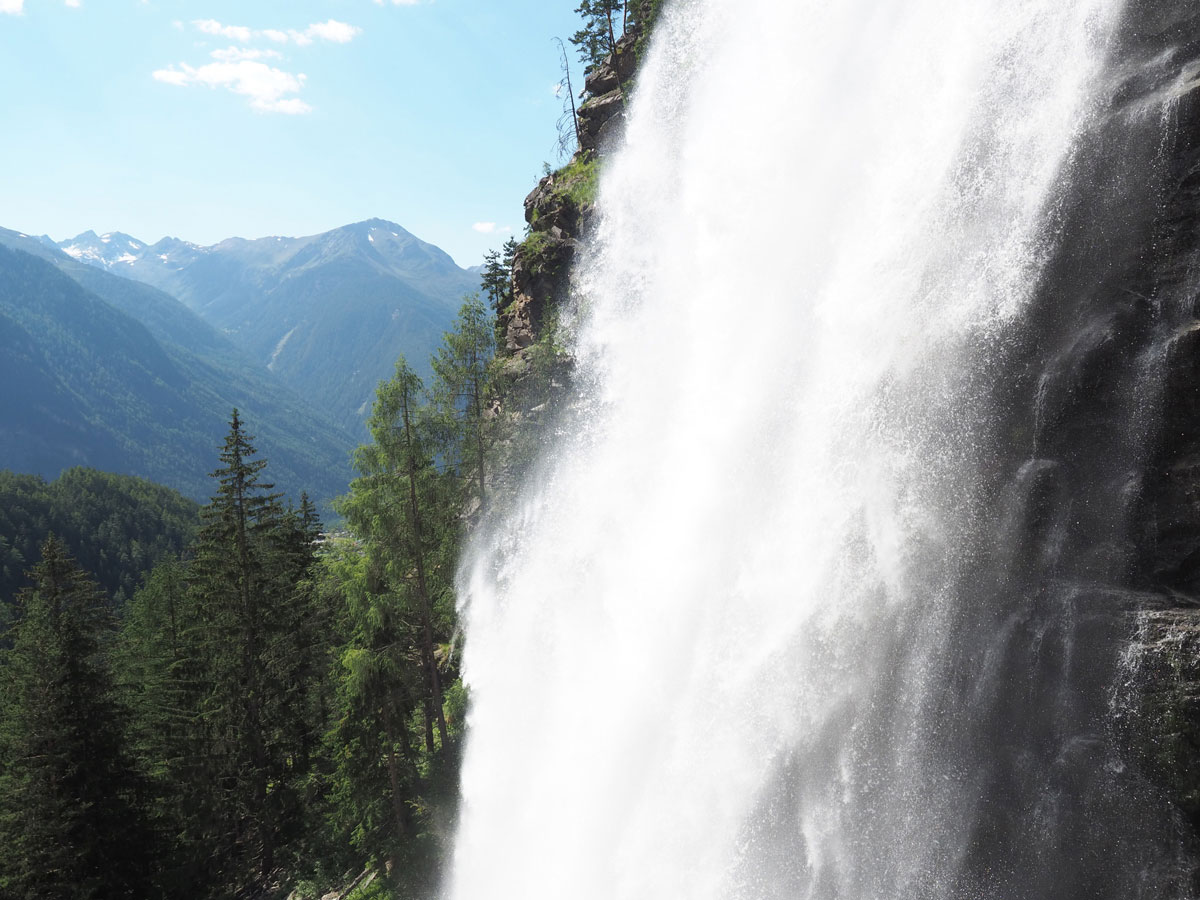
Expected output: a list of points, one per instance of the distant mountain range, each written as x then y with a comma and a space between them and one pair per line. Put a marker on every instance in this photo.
102, 371
328, 314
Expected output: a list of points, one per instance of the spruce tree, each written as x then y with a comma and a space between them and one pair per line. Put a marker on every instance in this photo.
496, 278
72, 821
158, 664
253, 623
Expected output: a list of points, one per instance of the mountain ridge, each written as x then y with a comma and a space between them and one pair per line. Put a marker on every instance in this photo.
328, 313
95, 386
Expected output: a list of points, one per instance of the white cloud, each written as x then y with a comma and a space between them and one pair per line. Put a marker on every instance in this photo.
74, 4
241, 70
337, 32
236, 54
12, 7
334, 31
266, 87
239, 33
172, 76
399, 2
293, 106
491, 228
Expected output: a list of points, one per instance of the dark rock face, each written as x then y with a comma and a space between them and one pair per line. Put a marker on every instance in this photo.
549, 209
1165, 725
532, 385
541, 268
595, 114
1107, 368
536, 285
1166, 738
606, 85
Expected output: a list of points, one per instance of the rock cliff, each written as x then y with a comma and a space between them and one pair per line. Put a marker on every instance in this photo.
534, 372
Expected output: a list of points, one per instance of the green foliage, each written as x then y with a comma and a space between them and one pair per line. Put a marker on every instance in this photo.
222, 661
378, 889
117, 527
252, 560
460, 390
71, 802
579, 180
644, 15
496, 278
538, 250
606, 21
603, 25
392, 735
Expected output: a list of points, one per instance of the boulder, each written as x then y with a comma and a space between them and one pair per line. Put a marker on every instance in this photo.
594, 114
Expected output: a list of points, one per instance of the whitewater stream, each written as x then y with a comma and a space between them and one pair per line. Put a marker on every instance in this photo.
800, 601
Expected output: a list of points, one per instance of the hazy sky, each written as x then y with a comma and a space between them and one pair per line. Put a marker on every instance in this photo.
206, 119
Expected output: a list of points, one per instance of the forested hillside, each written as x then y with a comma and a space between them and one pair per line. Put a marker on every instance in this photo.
88, 384
116, 526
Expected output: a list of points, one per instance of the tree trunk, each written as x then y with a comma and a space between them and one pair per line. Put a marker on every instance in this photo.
394, 770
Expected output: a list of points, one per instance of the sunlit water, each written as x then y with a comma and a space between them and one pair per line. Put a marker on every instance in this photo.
725, 645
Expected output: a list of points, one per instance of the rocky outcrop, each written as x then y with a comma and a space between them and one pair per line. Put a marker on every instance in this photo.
558, 210
1165, 717
535, 373
602, 115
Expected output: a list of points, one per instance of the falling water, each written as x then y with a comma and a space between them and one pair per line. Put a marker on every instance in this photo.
797, 602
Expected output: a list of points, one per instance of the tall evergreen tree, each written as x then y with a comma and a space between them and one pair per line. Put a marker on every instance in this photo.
379, 677
158, 662
460, 369
603, 24
396, 504
393, 671
253, 624
72, 823
496, 278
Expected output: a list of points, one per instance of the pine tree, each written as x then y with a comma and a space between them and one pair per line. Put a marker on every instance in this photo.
396, 503
379, 675
460, 369
392, 726
603, 24
158, 664
254, 622
496, 278
72, 821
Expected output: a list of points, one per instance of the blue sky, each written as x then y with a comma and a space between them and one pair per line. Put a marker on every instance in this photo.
205, 119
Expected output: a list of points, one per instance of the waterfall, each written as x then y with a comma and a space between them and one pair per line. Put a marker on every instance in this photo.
803, 599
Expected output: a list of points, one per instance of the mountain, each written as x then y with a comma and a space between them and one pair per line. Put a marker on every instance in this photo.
105, 250
87, 383
165, 317
328, 313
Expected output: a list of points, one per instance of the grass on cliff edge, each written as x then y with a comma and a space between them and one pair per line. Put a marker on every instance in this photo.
579, 180
577, 183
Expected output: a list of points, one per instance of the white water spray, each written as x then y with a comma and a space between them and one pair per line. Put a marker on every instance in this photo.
708, 655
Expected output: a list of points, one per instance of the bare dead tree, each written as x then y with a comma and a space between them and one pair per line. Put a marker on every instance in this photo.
568, 141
